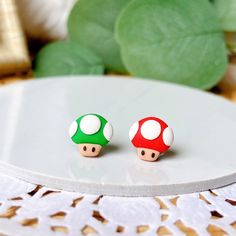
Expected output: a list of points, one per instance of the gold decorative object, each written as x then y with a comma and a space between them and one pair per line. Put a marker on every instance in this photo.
14, 55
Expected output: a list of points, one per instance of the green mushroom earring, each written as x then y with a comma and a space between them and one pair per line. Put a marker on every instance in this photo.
90, 132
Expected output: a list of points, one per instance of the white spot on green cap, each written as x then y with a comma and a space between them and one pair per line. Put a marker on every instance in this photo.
90, 124
108, 131
73, 129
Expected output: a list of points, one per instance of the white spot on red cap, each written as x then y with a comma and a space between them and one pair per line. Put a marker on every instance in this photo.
151, 129
168, 136
90, 124
133, 130
107, 131
73, 129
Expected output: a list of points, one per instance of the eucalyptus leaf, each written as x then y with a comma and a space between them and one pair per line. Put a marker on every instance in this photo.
91, 23
226, 10
61, 58
172, 40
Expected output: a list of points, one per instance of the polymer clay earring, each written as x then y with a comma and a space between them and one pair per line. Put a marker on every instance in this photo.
90, 132
151, 136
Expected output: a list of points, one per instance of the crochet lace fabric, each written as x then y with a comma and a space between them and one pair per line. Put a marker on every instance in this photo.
27, 209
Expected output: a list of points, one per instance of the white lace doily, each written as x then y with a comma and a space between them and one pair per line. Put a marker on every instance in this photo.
27, 209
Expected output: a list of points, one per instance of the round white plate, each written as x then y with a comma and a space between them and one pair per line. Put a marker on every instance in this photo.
35, 144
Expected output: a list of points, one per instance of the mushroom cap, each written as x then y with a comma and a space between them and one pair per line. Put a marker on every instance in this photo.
152, 133
91, 128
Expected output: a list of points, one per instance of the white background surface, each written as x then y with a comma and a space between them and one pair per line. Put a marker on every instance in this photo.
35, 117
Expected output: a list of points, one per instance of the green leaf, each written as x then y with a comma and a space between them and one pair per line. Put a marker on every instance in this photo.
172, 40
226, 10
91, 23
61, 58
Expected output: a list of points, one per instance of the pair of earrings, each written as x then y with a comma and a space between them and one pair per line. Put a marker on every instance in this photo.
151, 136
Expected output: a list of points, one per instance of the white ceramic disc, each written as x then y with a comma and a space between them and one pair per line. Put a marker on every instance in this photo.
35, 117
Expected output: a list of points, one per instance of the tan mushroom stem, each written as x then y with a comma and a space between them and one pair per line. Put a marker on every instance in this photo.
148, 154
89, 150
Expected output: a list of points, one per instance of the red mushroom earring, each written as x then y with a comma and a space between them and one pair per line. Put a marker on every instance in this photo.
151, 136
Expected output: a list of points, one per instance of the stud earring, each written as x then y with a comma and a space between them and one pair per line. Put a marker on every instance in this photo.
90, 132
151, 136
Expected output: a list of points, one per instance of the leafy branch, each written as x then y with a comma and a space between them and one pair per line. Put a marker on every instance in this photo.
176, 41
